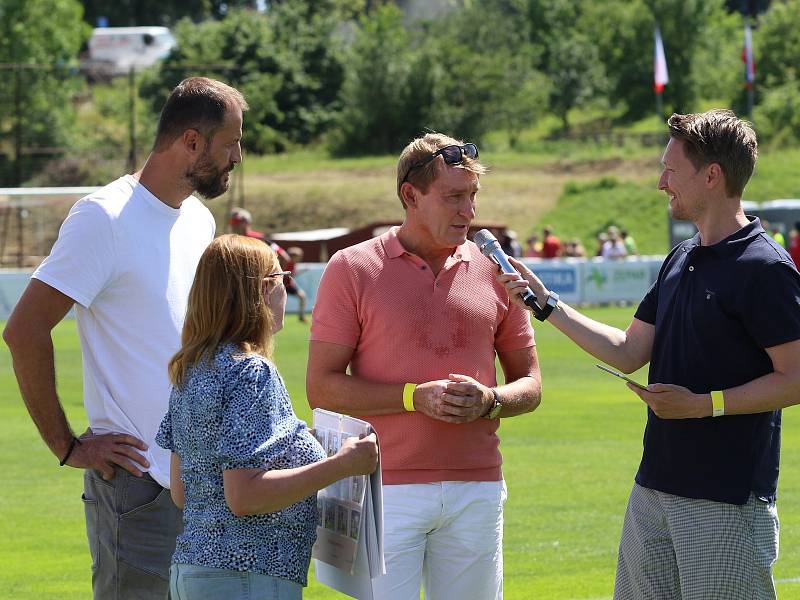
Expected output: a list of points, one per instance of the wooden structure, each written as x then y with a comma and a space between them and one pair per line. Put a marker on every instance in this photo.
319, 245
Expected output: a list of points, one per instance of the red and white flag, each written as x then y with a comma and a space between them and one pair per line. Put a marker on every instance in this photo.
661, 77
747, 56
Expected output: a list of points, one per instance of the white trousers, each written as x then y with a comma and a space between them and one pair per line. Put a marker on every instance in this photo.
446, 537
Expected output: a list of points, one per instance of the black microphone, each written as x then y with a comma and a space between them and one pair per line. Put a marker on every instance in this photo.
490, 247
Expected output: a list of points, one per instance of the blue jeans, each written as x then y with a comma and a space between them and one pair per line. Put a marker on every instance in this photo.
190, 582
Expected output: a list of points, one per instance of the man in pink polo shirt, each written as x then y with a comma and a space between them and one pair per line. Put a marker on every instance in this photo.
418, 316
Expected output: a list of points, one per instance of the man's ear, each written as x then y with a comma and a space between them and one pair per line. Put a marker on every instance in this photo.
193, 142
409, 194
714, 175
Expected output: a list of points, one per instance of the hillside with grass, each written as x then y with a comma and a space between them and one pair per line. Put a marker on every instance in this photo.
577, 186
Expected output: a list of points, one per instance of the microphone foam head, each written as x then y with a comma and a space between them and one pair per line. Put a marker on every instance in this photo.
485, 241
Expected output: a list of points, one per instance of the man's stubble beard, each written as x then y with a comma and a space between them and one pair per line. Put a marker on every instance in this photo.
207, 179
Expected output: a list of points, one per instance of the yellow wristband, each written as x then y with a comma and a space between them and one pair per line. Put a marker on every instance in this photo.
717, 404
408, 396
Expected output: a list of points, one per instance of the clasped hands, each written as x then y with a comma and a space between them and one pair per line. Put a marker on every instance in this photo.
458, 399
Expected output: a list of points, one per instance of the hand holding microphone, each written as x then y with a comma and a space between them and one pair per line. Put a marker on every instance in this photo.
520, 291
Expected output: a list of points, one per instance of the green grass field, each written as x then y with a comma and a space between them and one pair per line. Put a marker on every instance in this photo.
569, 467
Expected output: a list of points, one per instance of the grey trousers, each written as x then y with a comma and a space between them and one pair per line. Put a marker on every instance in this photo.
676, 548
131, 524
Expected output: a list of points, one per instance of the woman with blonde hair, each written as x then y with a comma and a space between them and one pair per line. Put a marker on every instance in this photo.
244, 468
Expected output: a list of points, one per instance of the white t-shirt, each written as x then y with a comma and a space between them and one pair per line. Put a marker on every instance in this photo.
128, 260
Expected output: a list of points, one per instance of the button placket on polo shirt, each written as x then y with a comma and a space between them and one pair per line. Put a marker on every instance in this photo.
450, 264
422, 267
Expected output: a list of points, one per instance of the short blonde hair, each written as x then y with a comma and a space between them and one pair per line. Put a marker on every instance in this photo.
226, 303
421, 148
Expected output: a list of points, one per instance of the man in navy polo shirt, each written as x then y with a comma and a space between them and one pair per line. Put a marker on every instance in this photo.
721, 330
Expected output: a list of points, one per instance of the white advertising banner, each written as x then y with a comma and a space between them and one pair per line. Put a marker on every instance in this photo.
577, 281
615, 280
12, 284
560, 276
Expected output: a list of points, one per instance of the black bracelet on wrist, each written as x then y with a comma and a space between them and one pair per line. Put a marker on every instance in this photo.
72, 444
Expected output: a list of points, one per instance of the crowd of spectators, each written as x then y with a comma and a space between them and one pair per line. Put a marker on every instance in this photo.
614, 243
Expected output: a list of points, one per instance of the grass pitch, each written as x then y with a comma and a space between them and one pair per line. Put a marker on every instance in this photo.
569, 467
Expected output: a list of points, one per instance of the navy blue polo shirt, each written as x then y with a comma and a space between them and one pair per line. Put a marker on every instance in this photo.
715, 310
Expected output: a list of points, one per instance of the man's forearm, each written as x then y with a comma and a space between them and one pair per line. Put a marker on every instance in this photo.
626, 350
34, 366
606, 343
770, 392
520, 396
351, 395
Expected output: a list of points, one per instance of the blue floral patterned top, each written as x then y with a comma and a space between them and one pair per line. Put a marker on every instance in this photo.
235, 414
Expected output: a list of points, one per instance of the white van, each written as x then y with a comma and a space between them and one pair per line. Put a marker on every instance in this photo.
114, 50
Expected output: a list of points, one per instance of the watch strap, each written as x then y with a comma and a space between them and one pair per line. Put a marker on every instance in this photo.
495, 408
542, 312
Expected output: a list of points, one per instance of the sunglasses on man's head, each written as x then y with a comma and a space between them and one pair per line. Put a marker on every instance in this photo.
452, 155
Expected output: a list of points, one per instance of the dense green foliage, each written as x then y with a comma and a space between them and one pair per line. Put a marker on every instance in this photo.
157, 12
167, 12
362, 77
36, 102
285, 62
370, 84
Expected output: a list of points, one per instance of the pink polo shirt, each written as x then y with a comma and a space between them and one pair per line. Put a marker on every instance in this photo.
408, 326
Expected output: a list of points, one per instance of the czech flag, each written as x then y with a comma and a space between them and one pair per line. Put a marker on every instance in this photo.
661, 77
747, 57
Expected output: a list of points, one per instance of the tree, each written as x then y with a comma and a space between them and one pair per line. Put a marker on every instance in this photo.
747, 7
776, 42
286, 62
373, 98
484, 81
623, 31
576, 73
124, 13
777, 117
45, 37
683, 25
524, 97
717, 67
455, 75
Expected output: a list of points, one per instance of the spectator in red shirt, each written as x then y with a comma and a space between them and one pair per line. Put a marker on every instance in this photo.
551, 245
534, 249
240, 222
794, 244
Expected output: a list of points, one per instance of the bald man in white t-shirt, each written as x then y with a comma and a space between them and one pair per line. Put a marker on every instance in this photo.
125, 258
